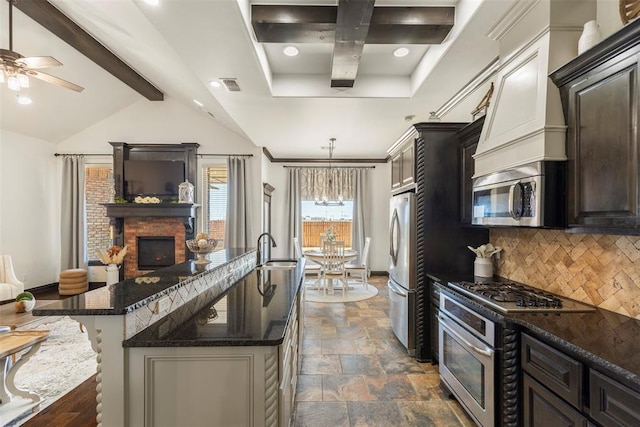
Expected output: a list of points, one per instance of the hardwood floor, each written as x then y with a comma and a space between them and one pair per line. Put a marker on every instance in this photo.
75, 409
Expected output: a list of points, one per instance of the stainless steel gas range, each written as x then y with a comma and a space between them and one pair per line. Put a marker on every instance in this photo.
510, 297
479, 348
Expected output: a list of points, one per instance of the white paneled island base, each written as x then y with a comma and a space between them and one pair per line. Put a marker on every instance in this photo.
228, 356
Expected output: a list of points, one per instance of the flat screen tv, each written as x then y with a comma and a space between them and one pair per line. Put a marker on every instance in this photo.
159, 178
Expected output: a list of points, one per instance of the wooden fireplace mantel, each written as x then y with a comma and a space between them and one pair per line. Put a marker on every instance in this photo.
167, 210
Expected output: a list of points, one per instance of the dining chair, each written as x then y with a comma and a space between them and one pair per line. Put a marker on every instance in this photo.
310, 266
333, 264
361, 268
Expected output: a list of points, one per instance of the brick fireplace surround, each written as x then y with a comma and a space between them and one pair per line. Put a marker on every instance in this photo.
135, 227
132, 220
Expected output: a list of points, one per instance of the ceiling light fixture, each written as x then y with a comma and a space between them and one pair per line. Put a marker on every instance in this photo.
198, 103
401, 52
290, 50
329, 197
15, 69
215, 83
153, 2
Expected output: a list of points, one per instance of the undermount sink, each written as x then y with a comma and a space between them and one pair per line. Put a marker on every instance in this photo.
278, 264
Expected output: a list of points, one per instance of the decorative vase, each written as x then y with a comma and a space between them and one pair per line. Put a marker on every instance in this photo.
25, 305
483, 267
113, 276
590, 36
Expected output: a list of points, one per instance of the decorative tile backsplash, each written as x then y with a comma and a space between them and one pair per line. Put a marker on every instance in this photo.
603, 270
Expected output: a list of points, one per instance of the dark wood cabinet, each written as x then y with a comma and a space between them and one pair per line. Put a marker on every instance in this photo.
403, 163
542, 408
557, 371
396, 171
468, 138
558, 390
600, 93
408, 165
611, 403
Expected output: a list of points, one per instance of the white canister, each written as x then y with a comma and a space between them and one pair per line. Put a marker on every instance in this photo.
483, 267
590, 36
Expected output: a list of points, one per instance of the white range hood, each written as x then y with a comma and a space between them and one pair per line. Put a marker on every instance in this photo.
524, 121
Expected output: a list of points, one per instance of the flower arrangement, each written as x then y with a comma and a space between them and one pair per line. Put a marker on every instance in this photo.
147, 200
113, 255
330, 234
485, 251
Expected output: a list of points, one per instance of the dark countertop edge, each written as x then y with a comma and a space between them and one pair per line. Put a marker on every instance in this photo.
44, 311
627, 377
132, 343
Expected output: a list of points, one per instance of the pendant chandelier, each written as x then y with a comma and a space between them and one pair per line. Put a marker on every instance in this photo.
331, 196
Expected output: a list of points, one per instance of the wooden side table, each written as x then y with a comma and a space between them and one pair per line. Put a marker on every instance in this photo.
10, 344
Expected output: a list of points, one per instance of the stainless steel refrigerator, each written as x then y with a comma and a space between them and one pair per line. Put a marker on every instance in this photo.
402, 268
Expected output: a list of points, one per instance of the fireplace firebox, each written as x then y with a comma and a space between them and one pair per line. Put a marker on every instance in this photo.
155, 252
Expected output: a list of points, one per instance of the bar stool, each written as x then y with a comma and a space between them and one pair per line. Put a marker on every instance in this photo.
73, 282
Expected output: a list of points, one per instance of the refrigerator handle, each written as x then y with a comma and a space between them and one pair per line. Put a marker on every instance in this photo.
393, 244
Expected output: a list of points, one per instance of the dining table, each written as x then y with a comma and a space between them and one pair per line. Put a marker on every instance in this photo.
317, 256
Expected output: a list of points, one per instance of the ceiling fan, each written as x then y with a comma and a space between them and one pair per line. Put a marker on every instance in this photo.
16, 68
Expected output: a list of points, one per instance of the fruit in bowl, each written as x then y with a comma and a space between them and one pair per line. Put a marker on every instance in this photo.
201, 247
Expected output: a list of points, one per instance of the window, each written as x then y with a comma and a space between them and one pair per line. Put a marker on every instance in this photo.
98, 187
317, 219
215, 194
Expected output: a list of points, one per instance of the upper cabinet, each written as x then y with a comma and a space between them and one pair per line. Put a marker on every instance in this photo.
601, 102
403, 162
468, 138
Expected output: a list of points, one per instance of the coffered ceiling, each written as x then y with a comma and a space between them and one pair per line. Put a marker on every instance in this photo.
345, 83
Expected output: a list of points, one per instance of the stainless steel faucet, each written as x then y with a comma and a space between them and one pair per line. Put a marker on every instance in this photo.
259, 252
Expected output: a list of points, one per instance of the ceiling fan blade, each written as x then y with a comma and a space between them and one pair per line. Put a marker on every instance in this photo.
38, 62
55, 80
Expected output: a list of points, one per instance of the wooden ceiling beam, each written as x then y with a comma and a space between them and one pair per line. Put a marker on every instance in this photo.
352, 27
59, 24
317, 24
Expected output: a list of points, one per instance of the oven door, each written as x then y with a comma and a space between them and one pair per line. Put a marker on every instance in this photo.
467, 368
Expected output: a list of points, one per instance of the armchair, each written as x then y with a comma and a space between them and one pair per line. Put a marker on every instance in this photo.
10, 286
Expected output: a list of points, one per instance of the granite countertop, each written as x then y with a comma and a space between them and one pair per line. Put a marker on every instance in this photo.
253, 312
128, 295
606, 340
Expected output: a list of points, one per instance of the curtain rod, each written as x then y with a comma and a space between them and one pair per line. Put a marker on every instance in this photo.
83, 154
225, 155
332, 167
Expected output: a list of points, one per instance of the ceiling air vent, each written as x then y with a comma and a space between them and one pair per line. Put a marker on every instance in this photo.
231, 85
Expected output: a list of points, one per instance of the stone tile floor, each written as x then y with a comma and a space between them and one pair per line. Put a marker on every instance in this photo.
356, 373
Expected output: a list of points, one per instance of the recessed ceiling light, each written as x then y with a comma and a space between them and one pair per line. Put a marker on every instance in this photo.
400, 52
198, 103
24, 100
153, 2
290, 51
215, 83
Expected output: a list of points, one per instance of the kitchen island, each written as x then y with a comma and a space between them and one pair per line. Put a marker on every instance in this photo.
195, 344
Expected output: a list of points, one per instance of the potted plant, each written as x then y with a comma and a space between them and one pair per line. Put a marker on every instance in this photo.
25, 301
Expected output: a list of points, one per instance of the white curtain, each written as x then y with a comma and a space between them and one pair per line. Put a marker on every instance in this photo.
73, 225
295, 209
361, 209
236, 230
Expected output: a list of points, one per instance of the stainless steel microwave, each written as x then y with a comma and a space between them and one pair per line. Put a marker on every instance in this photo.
531, 195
